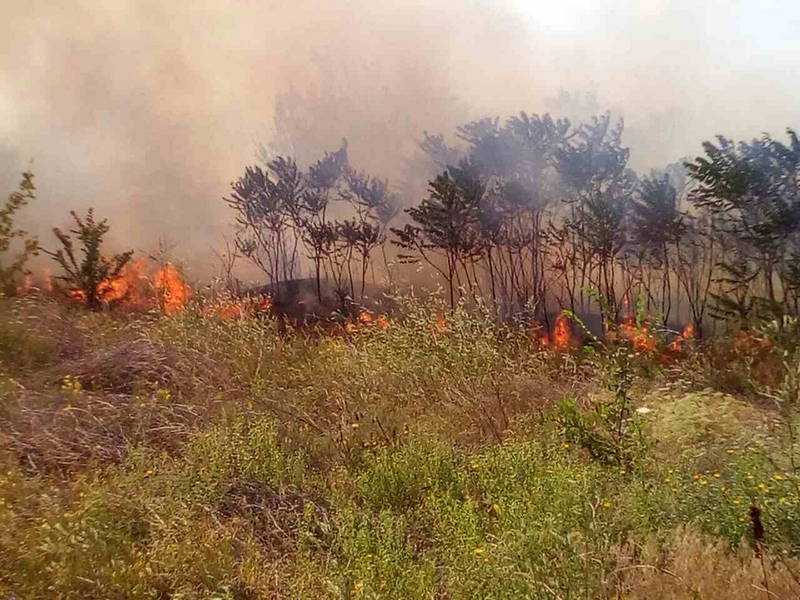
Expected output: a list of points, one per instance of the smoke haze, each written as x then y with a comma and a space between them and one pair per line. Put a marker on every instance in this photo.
147, 110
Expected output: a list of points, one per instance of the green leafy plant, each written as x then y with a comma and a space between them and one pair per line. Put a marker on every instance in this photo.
14, 266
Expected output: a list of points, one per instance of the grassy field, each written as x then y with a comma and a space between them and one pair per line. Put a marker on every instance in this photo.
423, 457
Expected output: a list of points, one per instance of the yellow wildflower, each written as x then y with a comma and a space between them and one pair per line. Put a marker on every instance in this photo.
478, 550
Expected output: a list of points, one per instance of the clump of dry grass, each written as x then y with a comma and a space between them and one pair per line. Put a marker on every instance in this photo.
131, 366
695, 566
64, 433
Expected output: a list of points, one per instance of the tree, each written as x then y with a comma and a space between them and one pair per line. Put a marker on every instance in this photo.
657, 225
446, 225
753, 191
323, 185
594, 169
94, 272
515, 161
267, 206
9, 271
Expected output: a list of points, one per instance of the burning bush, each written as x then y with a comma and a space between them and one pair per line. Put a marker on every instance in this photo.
96, 280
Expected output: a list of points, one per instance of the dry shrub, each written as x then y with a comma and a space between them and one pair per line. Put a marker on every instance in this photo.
130, 366
698, 425
694, 566
276, 518
60, 434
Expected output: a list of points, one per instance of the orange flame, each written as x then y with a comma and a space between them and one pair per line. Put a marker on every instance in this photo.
439, 326
172, 292
24, 286
561, 333
126, 286
640, 337
47, 280
561, 338
238, 308
687, 334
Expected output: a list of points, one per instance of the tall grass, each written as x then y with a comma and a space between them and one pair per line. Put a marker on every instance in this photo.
426, 458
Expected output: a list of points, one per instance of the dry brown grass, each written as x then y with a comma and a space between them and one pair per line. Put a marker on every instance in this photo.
132, 366
60, 434
698, 567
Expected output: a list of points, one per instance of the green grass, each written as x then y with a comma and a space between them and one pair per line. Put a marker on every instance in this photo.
399, 462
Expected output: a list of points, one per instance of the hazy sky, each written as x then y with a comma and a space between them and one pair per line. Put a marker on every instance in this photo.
148, 109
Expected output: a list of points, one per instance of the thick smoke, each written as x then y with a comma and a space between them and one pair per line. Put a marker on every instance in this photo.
147, 109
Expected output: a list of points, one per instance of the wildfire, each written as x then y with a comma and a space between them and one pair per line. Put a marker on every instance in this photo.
172, 292
640, 337
47, 280
365, 319
561, 338
238, 308
687, 334
124, 287
439, 326
24, 286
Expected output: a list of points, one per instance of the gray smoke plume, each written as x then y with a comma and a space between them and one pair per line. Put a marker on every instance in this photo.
147, 109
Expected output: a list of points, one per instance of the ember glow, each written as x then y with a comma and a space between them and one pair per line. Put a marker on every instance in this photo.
46, 280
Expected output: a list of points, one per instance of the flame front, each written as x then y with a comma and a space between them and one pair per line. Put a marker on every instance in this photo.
238, 308
172, 292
